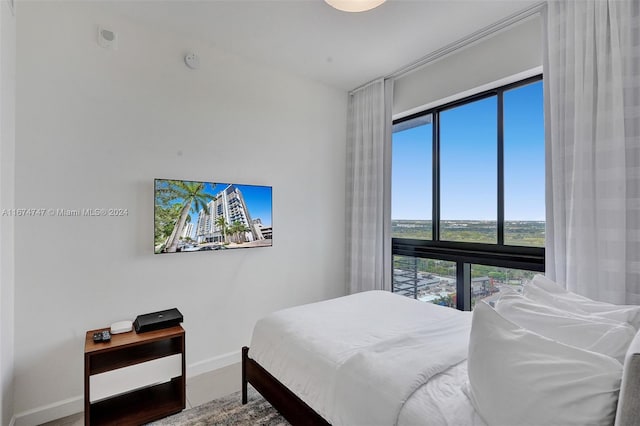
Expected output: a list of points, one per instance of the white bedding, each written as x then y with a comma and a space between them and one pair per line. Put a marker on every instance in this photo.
442, 401
365, 358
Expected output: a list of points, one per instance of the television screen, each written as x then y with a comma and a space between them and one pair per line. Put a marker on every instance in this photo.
199, 216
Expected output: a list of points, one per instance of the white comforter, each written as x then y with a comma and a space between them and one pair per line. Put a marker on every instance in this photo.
358, 359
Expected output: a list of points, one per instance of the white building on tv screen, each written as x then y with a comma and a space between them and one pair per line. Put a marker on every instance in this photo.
230, 205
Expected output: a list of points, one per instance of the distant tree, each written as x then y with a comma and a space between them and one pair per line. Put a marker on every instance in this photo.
445, 301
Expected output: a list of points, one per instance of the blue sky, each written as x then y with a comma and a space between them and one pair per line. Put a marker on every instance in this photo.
258, 199
469, 161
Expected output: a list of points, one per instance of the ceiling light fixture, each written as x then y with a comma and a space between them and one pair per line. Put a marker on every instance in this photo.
354, 5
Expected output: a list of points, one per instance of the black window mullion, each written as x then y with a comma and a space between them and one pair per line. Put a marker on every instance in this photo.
460, 286
435, 200
463, 286
467, 286
500, 168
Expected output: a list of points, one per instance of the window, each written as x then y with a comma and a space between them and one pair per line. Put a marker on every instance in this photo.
468, 178
524, 205
428, 280
468, 192
411, 178
488, 282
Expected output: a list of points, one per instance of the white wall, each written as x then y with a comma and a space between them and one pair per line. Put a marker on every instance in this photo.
94, 127
7, 182
511, 51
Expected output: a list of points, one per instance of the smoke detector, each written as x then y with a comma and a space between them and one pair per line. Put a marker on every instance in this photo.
192, 60
107, 38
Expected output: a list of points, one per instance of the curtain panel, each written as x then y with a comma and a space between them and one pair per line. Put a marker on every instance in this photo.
368, 188
592, 95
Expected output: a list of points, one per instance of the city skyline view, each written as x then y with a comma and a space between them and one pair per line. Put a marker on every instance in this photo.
527, 233
435, 281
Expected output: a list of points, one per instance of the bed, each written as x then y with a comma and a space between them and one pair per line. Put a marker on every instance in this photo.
379, 358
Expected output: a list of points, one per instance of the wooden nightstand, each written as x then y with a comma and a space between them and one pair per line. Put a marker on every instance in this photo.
140, 405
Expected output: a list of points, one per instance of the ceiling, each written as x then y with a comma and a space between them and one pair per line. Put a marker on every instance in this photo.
311, 39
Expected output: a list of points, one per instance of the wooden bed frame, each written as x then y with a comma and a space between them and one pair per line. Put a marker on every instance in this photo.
292, 408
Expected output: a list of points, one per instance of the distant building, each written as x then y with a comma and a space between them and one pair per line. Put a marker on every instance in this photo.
187, 232
263, 232
267, 232
413, 284
482, 286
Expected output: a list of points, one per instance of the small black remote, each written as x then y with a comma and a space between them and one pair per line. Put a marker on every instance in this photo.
97, 337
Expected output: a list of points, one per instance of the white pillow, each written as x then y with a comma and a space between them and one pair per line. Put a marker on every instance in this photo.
591, 333
554, 295
547, 284
517, 377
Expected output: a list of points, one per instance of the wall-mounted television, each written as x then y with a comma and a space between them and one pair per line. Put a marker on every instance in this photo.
201, 216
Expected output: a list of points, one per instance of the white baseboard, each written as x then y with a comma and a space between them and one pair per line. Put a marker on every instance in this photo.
50, 412
215, 363
68, 407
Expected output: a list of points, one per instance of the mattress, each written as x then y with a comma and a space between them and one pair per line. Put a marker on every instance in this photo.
347, 355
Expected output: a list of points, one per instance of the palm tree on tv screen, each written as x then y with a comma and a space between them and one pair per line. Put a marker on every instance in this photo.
193, 198
237, 229
233, 228
243, 230
224, 227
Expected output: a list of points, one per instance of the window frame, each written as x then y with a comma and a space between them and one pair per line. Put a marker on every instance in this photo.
467, 253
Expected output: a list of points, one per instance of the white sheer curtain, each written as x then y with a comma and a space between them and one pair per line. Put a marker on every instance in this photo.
368, 188
592, 84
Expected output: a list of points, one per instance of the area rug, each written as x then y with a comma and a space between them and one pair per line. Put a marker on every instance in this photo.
228, 411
